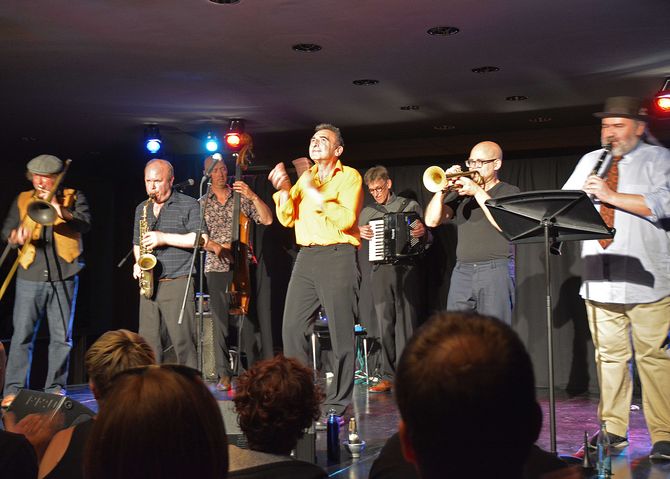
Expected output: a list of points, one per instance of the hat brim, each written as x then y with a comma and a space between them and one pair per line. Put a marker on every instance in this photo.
609, 114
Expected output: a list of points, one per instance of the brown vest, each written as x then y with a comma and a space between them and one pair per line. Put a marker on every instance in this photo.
68, 242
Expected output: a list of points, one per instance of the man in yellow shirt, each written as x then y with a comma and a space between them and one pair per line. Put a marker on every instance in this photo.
323, 207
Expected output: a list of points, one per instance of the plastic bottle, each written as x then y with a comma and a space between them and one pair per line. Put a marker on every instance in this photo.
603, 458
333, 436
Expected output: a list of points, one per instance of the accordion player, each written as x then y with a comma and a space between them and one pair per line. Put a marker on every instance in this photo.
392, 240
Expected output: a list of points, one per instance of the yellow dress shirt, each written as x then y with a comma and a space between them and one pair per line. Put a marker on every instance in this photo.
332, 221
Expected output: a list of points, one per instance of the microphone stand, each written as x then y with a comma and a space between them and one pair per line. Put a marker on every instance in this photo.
197, 248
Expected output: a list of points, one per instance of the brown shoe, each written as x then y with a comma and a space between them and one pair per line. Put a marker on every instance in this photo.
223, 384
382, 386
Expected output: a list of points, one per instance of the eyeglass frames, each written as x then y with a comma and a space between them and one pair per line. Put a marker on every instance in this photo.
470, 163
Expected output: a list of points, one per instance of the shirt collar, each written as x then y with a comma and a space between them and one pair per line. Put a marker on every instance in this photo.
315, 168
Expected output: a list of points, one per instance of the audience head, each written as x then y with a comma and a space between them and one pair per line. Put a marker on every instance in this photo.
276, 401
157, 421
113, 352
464, 385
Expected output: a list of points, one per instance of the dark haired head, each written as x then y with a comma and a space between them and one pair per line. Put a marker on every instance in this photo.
276, 401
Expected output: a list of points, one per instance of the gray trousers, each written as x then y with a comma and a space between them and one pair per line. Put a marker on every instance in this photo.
395, 292
325, 276
165, 307
485, 287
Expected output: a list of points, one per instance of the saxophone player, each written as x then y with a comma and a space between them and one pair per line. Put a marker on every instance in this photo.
171, 220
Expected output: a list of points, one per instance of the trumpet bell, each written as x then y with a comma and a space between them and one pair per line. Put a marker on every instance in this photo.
42, 212
147, 262
434, 179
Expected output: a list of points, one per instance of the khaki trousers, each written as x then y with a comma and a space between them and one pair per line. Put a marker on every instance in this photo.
613, 326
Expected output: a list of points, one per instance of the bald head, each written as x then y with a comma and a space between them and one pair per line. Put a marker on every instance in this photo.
487, 150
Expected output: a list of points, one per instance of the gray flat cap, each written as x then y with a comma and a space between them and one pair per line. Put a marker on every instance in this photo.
45, 165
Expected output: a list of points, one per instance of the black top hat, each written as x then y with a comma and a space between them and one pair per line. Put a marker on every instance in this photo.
623, 107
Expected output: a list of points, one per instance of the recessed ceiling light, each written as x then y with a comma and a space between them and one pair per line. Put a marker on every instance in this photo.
410, 107
442, 31
29, 139
516, 98
540, 119
487, 69
444, 127
306, 47
225, 2
365, 82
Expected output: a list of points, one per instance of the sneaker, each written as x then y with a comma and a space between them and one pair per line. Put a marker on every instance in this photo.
616, 442
382, 386
660, 451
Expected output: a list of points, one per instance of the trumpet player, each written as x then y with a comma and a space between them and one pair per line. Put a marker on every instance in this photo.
482, 280
173, 220
50, 259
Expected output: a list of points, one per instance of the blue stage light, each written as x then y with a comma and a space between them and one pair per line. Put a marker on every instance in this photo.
152, 139
211, 143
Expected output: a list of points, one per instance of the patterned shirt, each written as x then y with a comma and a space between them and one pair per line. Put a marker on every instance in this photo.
180, 214
219, 219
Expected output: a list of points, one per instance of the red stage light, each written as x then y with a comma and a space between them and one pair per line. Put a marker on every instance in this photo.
661, 102
234, 141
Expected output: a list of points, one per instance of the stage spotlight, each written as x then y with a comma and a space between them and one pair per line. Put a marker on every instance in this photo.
661, 102
152, 139
211, 143
234, 138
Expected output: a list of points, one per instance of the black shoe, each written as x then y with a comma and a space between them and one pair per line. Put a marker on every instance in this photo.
660, 451
616, 442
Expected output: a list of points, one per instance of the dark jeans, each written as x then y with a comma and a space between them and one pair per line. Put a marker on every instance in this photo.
33, 301
486, 287
325, 276
165, 307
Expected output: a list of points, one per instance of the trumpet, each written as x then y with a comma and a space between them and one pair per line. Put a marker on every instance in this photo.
436, 179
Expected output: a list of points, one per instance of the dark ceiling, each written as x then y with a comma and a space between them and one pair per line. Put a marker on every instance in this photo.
87, 75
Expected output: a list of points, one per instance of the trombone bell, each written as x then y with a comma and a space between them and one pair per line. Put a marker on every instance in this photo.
42, 212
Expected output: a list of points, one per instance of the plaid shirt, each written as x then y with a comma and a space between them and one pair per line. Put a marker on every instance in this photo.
180, 214
219, 219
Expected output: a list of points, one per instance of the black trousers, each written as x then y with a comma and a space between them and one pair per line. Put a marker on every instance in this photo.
219, 302
325, 276
165, 307
396, 296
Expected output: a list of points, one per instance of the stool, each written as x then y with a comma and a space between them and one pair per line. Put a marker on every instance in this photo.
320, 330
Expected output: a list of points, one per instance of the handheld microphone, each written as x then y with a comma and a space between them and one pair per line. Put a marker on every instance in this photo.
184, 184
216, 157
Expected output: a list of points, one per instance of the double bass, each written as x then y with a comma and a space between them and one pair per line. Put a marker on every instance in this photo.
240, 287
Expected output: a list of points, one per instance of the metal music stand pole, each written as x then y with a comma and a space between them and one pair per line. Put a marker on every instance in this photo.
551, 217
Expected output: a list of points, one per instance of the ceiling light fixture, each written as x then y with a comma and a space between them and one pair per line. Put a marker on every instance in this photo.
225, 2
306, 47
516, 98
211, 142
410, 107
152, 139
442, 31
234, 136
365, 82
444, 127
486, 69
540, 119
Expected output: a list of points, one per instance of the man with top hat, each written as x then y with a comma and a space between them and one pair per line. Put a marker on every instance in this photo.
46, 282
626, 281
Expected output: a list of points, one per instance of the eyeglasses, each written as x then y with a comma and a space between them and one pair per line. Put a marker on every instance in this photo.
470, 163
377, 190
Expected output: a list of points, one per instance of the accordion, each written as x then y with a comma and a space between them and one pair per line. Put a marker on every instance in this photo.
392, 240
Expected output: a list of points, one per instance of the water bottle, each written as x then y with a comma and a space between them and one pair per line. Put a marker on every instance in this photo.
603, 458
333, 436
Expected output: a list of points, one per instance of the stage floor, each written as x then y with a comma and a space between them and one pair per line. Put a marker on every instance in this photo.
377, 418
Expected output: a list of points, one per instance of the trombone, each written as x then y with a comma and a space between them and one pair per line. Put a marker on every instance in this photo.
40, 212
436, 179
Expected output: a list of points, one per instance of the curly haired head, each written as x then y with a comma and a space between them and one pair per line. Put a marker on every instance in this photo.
276, 401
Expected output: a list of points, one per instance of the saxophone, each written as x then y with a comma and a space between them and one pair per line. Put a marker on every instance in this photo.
146, 261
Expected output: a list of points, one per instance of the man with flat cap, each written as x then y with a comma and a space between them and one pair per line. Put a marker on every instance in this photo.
46, 282
626, 281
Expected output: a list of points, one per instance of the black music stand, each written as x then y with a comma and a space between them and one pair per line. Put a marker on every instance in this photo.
551, 216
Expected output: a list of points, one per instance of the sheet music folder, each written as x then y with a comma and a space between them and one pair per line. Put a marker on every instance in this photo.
569, 214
